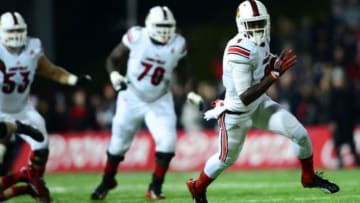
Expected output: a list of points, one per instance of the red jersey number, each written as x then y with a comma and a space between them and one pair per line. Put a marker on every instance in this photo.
157, 73
9, 85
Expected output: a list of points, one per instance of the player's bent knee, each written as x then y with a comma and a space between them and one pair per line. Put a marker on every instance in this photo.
301, 136
167, 144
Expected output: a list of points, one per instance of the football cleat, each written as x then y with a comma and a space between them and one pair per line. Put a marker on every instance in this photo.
29, 130
37, 185
102, 190
321, 183
154, 193
198, 197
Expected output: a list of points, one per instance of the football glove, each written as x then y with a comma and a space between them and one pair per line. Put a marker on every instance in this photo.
83, 80
282, 63
215, 112
196, 100
118, 81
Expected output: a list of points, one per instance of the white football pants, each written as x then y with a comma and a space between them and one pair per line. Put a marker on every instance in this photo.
131, 112
269, 115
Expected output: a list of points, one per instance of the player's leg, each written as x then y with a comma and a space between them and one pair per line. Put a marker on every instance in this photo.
15, 191
161, 122
11, 179
5, 133
34, 174
271, 116
233, 129
7, 128
127, 120
3, 168
40, 149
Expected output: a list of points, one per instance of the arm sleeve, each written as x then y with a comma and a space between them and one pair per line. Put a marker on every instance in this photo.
241, 74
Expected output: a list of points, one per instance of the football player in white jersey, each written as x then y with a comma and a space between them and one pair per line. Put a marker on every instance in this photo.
246, 105
152, 54
21, 58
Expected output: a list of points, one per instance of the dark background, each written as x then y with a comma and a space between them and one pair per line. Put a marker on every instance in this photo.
79, 34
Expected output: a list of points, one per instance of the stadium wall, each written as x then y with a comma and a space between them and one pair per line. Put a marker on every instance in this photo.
72, 152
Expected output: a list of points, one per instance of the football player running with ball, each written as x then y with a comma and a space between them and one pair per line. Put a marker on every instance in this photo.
21, 58
152, 55
246, 105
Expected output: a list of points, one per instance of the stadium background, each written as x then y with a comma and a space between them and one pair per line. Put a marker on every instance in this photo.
78, 35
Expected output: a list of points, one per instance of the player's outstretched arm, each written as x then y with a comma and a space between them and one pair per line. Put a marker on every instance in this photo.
56, 73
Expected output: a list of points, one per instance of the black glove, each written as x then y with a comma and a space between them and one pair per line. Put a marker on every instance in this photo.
83, 80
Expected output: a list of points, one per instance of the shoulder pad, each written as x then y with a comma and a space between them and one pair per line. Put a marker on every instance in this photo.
34, 42
180, 43
241, 50
36, 45
132, 35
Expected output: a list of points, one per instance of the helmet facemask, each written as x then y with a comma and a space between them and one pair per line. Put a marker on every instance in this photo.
256, 30
13, 30
13, 38
160, 24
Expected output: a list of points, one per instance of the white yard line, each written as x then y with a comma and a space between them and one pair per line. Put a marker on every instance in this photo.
169, 186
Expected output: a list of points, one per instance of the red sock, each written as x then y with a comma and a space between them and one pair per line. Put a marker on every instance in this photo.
160, 171
203, 182
110, 170
307, 169
9, 180
20, 190
14, 191
38, 162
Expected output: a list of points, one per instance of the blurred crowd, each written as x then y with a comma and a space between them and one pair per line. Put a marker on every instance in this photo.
327, 73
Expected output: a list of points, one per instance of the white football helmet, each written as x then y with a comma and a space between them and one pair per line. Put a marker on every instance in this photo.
13, 30
253, 20
160, 24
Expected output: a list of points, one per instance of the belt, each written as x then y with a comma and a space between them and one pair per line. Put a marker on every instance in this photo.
234, 112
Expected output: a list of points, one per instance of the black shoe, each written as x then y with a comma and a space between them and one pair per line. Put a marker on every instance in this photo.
102, 190
154, 192
29, 130
197, 196
323, 184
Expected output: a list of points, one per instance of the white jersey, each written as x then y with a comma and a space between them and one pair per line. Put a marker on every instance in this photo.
150, 67
240, 50
17, 72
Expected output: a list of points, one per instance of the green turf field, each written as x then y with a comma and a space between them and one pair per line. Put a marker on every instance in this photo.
231, 187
